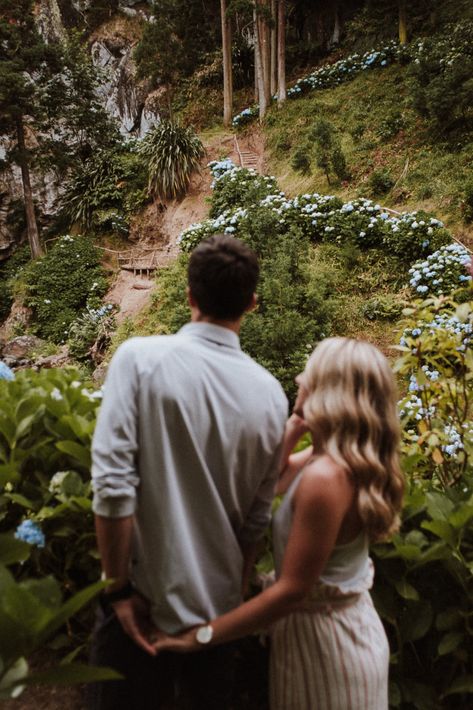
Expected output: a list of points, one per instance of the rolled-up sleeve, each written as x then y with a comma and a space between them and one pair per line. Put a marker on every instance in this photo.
115, 443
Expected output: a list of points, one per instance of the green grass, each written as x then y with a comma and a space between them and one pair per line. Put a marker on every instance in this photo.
367, 112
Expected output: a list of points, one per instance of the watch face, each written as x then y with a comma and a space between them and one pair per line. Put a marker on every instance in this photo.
204, 634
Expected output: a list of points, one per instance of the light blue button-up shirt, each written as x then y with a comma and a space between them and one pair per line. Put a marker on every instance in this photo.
188, 441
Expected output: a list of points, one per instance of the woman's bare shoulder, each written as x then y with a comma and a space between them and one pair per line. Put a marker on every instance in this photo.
324, 478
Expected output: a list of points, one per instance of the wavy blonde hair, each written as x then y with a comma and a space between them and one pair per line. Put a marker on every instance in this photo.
352, 413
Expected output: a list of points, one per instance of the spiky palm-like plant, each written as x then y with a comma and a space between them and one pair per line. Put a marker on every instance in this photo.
172, 153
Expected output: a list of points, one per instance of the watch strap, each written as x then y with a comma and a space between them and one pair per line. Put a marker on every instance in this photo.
117, 595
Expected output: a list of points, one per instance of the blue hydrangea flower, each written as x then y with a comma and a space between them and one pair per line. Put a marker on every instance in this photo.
5, 372
30, 532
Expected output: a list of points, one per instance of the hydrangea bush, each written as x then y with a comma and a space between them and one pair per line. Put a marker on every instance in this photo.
238, 191
442, 272
339, 72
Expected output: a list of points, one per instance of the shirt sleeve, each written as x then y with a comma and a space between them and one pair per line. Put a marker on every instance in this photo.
259, 516
115, 443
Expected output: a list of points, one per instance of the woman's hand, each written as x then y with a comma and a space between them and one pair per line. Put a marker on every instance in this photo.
185, 642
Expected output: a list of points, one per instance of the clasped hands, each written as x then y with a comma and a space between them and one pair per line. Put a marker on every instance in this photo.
134, 617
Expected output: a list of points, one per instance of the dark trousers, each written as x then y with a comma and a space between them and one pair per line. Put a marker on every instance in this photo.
169, 681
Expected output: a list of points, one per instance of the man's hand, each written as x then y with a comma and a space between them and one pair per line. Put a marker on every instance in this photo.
133, 614
183, 643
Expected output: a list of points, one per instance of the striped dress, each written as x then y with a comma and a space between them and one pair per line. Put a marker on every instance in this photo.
333, 653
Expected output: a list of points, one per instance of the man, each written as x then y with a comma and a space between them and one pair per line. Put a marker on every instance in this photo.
185, 459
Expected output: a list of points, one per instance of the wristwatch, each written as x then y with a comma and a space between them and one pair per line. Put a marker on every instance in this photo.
205, 634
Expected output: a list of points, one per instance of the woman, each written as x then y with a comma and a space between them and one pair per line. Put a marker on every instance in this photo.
328, 647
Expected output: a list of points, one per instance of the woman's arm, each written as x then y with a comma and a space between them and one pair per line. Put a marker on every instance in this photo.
291, 463
321, 501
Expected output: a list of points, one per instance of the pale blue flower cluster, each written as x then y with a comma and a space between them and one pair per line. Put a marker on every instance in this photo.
30, 532
334, 74
322, 217
441, 272
412, 409
455, 441
5, 372
463, 332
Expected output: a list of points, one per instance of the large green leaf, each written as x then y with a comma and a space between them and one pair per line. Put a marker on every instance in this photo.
416, 621
77, 451
463, 684
13, 550
71, 674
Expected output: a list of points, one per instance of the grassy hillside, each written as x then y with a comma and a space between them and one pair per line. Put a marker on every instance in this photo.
392, 155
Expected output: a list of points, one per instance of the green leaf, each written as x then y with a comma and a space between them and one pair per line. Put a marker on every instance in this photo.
416, 621
438, 505
13, 550
12, 683
72, 674
463, 684
450, 642
406, 590
448, 619
442, 529
72, 606
77, 451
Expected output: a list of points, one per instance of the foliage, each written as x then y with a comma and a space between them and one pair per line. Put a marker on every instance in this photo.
31, 613
323, 218
442, 272
172, 153
170, 48
103, 191
468, 201
437, 361
237, 187
9, 271
380, 182
300, 161
47, 420
61, 284
331, 75
441, 85
423, 593
382, 308
92, 329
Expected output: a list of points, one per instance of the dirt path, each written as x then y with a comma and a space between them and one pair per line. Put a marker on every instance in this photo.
157, 228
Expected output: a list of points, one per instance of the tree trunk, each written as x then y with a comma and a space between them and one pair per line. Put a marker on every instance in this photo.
335, 38
31, 224
281, 51
265, 50
402, 22
227, 65
274, 47
263, 106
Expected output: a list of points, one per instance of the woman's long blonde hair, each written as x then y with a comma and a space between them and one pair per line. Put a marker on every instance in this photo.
352, 413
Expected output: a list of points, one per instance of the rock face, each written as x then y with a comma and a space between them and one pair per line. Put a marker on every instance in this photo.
124, 97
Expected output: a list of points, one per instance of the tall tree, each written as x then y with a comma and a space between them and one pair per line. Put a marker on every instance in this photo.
48, 107
281, 52
274, 46
23, 54
402, 22
227, 64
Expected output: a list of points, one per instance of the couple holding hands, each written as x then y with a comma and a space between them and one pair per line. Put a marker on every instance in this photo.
191, 445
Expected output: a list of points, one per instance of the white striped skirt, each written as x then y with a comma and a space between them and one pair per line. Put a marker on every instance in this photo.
330, 656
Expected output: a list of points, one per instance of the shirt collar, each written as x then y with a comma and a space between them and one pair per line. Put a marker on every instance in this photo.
215, 333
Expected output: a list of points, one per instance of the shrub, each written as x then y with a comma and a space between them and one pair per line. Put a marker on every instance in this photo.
301, 161
442, 272
91, 329
328, 151
103, 191
415, 234
467, 203
9, 270
172, 153
381, 182
237, 187
60, 284
47, 420
382, 308
441, 87
390, 126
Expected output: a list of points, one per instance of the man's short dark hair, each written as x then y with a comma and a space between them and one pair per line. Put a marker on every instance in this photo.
223, 273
